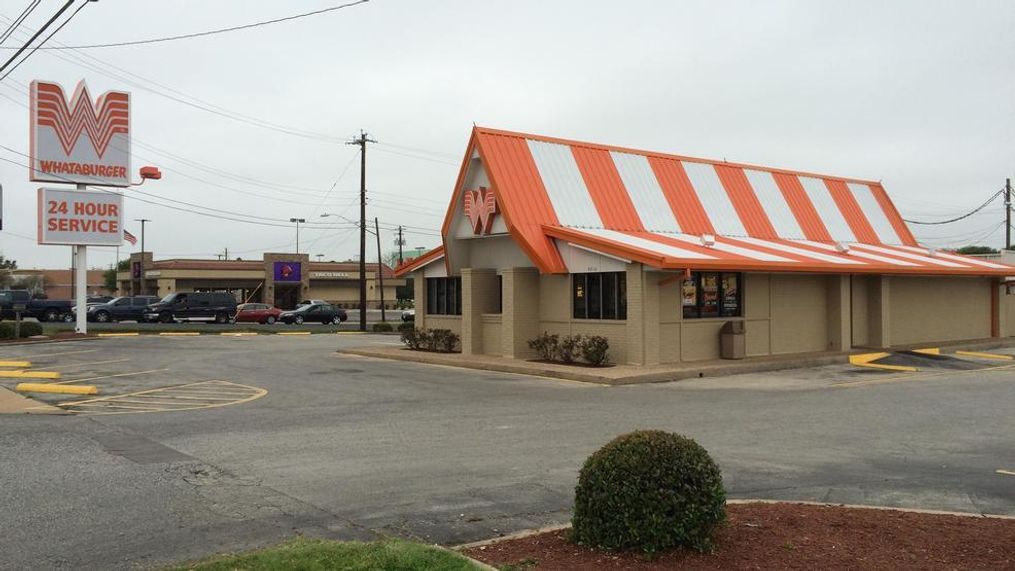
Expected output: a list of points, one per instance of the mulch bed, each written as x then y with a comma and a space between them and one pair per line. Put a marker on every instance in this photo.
793, 536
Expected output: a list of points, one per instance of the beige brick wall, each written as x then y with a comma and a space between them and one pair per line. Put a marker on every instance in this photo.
939, 309
479, 296
521, 310
492, 344
799, 313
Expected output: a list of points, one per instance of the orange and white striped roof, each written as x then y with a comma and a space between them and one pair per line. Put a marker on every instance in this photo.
678, 212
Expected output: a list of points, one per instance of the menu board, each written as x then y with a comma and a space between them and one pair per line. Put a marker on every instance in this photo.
730, 295
709, 295
689, 297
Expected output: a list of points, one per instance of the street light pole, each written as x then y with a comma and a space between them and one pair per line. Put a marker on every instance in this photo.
298, 221
141, 265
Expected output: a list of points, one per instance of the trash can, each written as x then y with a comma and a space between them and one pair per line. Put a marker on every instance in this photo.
733, 340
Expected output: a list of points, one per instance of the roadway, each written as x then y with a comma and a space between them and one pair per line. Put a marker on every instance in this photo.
346, 447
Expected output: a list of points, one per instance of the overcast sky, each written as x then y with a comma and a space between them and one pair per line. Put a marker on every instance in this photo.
918, 94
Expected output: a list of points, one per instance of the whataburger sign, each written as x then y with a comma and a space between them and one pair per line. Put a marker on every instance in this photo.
84, 142
77, 140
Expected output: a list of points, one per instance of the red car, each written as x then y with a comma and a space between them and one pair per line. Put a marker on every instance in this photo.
257, 312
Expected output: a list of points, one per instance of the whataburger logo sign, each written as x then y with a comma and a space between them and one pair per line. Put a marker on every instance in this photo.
480, 207
78, 140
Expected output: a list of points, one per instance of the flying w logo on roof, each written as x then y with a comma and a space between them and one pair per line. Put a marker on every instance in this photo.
102, 120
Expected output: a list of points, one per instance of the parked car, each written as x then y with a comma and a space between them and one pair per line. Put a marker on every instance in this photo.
409, 315
257, 313
311, 302
121, 309
98, 299
216, 306
41, 309
315, 313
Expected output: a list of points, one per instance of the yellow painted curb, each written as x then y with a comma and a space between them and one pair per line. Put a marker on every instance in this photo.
350, 333
179, 333
293, 333
30, 374
867, 360
15, 363
997, 356
928, 351
134, 334
238, 334
65, 389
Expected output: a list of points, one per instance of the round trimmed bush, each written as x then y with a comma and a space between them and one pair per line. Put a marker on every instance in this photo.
382, 327
649, 490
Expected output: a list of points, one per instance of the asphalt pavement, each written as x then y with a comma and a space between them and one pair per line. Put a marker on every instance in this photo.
345, 447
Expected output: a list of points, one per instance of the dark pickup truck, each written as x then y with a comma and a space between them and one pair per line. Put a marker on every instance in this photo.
41, 309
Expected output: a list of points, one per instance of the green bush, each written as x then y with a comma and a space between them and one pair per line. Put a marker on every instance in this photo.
569, 348
546, 345
594, 350
403, 327
411, 338
382, 327
28, 329
435, 340
649, 490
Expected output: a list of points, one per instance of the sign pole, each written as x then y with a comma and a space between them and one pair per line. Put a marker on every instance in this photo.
81, 284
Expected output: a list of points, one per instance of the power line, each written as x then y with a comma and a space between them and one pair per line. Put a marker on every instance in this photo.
964, 216
36, 35
17, 21
210, 32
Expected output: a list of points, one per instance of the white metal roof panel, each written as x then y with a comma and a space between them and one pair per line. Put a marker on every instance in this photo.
564, 184
646, 195
714, 199
827, 209
875, 214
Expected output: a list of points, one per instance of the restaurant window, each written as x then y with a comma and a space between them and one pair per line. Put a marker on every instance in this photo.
599, 295
711, 294
444, 296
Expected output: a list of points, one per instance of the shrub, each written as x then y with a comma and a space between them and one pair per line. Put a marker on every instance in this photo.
403, 327
569, 348
546, 345
444, 340
649, 490
28, 329
382, 327
436, 340
594, 350
411, 338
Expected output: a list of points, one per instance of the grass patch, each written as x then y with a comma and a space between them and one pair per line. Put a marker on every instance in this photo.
314, 555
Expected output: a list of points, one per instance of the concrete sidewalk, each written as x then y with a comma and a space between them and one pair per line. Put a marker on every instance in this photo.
13, 403
611, 375
636, 374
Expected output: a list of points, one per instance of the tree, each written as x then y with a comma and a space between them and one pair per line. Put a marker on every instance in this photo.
109, 276
975, 250
7, 263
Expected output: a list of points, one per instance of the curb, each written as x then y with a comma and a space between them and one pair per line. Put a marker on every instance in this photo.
534, 369
551, 528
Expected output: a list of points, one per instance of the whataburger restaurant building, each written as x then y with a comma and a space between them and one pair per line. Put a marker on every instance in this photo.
657, 252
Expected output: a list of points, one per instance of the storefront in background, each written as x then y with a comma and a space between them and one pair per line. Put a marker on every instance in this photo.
280, 279
657, 252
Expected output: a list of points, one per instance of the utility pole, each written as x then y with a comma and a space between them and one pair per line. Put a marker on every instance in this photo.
298, 221
380, 266
401, 242
141, 266
362, 142
1007, 214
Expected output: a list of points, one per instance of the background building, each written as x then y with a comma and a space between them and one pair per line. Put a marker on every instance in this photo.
280, 279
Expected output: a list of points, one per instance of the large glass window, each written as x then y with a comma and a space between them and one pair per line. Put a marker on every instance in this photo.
444, 296
599, 295
711, 294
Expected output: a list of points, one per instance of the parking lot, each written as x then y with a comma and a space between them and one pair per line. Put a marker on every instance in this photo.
211, 443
